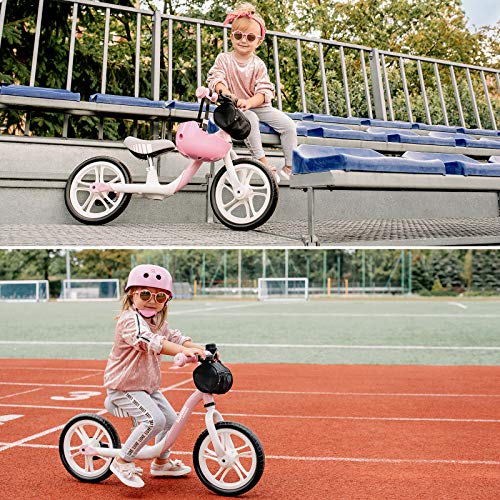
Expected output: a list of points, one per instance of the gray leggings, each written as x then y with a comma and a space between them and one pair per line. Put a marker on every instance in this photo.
154, 416
280, 122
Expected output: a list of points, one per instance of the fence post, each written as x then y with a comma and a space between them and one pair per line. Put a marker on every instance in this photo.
377, 85
3, 7
155, 56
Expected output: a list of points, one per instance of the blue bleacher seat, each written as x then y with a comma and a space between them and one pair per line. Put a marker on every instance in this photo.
187, 106
41, 92
311, 159
478, 131
296, 115
458, 164
331, 119
374, 122
410, 137
341, 132
434, 128
494, 159
468, 141
126, 100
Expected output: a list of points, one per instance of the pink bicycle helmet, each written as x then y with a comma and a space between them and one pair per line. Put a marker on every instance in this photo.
195, 143
150, 275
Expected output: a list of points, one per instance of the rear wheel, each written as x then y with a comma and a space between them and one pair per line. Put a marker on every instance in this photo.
96, 208
253, 207
87, 430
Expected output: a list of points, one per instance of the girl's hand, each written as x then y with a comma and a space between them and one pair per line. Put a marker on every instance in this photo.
244, 104
193, 352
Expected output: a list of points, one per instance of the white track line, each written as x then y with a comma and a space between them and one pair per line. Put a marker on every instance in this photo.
176, 387
295, 417
291, 346
323, 459
22, 392
459, 316
458, 304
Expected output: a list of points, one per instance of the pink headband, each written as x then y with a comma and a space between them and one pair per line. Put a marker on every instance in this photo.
231, 17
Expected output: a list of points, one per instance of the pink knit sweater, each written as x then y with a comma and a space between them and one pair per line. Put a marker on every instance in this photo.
244, 80
134, 361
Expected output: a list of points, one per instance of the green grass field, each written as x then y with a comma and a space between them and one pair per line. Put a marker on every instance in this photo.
399, 331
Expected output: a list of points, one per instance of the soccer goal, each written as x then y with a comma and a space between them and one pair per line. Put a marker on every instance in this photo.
90, 289
283, 288
24, 291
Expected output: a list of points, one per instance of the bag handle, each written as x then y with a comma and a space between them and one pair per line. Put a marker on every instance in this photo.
203, 122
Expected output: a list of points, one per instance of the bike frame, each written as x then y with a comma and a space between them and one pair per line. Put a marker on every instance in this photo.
211, 418
152, 188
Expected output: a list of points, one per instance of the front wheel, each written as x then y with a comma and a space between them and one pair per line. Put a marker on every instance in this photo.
244, 468
91, 430
96, 208
254, 205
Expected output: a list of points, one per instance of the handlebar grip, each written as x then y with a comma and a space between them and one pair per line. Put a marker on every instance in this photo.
180, 359
202, 92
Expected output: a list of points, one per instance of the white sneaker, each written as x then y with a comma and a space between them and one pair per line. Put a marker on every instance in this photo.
128, 474
284, 174
171, 468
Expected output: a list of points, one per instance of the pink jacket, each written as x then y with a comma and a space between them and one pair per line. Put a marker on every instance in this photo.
243, 80
134, 361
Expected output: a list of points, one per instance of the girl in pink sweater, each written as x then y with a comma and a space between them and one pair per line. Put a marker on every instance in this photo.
243, 74
132, 376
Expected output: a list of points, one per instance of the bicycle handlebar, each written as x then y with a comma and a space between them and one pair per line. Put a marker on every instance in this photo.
204, 92
180, 359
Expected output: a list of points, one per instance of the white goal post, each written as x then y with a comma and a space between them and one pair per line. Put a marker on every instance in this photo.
24, 291
283, 288
90, 289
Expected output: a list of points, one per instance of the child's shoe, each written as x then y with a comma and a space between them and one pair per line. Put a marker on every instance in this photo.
285, 172
171, 468
128, 474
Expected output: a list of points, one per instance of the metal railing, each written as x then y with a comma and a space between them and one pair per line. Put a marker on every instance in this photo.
310, 74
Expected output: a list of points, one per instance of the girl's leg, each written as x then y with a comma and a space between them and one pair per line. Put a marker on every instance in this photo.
285, 126
254, 142
170, 417
148, 415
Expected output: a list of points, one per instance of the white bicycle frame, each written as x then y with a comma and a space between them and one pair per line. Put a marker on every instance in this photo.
152, 188
211, 418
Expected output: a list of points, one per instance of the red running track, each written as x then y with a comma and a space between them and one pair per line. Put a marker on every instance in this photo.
329, 431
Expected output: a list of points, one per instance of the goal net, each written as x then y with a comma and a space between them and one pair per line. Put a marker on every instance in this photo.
90, 289
283, 288
24, 290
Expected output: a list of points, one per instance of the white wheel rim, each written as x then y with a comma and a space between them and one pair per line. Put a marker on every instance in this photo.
86, 432
251, 207
240, 472
96, 205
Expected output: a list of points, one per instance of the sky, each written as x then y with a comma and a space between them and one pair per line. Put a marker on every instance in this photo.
481, 12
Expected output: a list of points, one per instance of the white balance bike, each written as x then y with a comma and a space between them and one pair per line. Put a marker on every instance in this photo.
227, 456
243, 193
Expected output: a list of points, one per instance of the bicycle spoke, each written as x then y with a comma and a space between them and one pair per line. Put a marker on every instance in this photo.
218, 472
240, 470
108, 201
89, 464
80, 431
230, 204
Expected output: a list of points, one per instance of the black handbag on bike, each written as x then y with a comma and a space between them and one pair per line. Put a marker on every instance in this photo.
213, 377
231, 119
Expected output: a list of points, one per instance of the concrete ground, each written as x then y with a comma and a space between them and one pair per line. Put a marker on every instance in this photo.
329, 233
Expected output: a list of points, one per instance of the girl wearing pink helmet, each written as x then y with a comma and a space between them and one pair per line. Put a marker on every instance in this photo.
132, 376
244, 75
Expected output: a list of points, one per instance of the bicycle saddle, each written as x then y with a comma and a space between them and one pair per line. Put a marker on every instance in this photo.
142, 149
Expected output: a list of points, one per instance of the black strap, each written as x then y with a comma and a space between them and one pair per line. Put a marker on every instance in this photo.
204, 123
